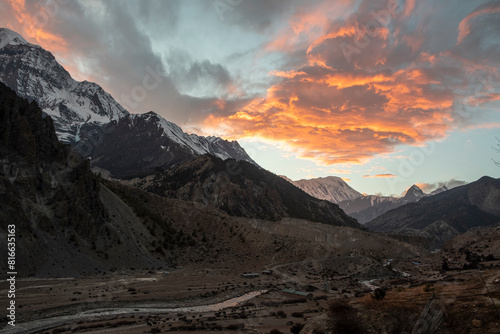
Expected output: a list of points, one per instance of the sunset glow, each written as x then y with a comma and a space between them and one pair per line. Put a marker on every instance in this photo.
340, 84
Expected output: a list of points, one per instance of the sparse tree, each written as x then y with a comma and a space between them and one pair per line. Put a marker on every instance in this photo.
296, 328
497, 149
379, 294
445, 265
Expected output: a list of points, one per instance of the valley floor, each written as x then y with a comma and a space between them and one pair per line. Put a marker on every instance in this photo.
163, 301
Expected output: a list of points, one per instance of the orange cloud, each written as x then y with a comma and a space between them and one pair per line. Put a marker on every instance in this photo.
343, 117
380, 176
34, 24
333, 113
288, 74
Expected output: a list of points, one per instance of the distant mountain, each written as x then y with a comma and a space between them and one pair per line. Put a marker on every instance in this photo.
139, 145
455, 211
367, 208
330, 188
413, 194
244, 190
438, 191
34, 73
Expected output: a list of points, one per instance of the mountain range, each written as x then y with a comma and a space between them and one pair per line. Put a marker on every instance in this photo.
366, 208
84, 113
441, 217
362, 207
73, 222
71, 215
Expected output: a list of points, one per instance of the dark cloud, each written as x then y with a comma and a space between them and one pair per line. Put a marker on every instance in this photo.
258, 15
429, 187
198, 77
110, 42
478, 39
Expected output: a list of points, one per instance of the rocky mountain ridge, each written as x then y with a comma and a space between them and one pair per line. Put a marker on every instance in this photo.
139, 145
243, 190
445, 215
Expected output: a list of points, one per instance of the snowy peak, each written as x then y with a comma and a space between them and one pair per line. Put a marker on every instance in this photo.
438, 191
413, 194
8, 36
142, 144
330, 188
197, 145
34, 73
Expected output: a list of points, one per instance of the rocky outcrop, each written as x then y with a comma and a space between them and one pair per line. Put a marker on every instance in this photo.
245, 190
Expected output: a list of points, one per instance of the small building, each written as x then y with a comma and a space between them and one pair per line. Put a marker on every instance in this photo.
298, 293
250, 275
267, 272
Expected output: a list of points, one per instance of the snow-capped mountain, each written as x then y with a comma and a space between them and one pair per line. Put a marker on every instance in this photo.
198, 145
141, 144
34, 73
330, 188
80, 109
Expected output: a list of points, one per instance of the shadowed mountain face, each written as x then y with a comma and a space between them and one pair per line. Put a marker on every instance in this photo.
139, 145
447, 214
245, 190
60, 210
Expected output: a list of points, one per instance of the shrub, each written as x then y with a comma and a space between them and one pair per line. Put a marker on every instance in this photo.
281, 314
296, 328
344, 318
379, 294
428, 287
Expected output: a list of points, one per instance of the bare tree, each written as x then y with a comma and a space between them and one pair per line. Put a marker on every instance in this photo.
496, 148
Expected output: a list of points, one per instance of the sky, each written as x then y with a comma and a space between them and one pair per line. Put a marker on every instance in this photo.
383, 93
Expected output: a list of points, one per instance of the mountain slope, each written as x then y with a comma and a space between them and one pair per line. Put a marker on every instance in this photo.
34, 73
330, 188
245, 190
138, 145
67, 223
473, 205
